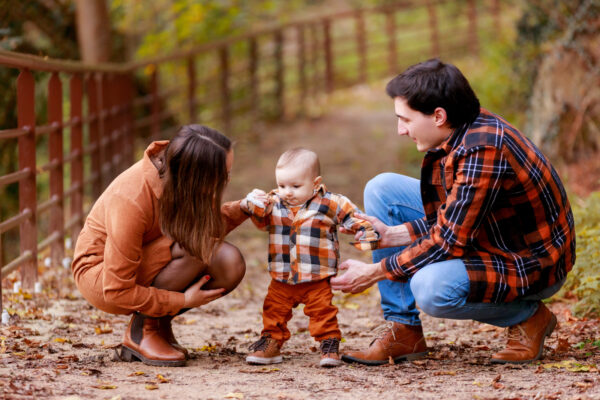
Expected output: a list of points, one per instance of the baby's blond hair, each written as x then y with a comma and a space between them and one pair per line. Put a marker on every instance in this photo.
301, 157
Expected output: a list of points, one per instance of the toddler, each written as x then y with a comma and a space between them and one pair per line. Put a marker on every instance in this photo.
302, 218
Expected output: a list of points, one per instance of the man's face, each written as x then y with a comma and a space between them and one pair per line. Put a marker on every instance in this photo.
427, 131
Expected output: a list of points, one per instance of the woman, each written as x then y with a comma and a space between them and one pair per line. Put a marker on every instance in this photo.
154, 238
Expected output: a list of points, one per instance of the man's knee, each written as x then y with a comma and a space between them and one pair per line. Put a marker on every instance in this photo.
435, 295
378, 185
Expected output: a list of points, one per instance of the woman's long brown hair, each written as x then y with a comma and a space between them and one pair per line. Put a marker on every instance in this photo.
195, 173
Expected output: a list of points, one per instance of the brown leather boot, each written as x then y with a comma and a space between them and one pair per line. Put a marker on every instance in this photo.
143, 341
399, 343
526, 339
166, 331
266, 350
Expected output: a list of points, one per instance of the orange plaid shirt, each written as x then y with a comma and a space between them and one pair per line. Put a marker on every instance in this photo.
304, 247
493, 200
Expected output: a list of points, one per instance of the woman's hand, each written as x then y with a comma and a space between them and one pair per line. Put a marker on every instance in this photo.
196, 297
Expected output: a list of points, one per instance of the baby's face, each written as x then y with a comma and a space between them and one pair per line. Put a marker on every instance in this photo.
295, 184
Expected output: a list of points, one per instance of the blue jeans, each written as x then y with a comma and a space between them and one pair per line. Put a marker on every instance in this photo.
441, 289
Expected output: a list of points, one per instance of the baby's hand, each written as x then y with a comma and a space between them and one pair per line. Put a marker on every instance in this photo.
258, 197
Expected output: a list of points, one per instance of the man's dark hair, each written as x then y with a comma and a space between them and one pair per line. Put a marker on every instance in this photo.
431, 84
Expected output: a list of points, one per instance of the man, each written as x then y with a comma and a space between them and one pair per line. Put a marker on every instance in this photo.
485, 235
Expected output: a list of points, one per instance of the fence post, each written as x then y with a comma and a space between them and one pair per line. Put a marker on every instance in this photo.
224, 88
361, 46
27, 186
473, 40
55, 118
327, 49
433, 29
94, 140
191, 72
76, 96
301, 70
103, 132
279, 73
390, 29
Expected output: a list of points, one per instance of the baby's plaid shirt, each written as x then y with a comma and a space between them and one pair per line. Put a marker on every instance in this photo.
304, 247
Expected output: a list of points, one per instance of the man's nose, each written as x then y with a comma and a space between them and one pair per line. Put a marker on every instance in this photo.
402, 130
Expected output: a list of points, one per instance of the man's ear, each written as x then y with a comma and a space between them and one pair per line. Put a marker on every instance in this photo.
440, 116
317, 181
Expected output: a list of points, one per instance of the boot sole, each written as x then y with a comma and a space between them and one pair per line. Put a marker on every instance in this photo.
130, 355
263, 361
548, 332
406, 357
329, 363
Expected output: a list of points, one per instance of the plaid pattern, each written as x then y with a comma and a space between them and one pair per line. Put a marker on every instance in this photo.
304, 247
492, 199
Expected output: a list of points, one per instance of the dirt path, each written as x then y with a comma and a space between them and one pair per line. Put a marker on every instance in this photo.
58, 347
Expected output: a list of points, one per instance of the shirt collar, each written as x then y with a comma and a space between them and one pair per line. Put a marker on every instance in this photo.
149, 170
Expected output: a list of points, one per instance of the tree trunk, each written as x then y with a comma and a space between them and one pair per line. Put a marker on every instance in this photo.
93, 31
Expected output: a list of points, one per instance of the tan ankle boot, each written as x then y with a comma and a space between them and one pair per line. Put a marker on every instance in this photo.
526, 339
265, 351
399, 343
166, 331
143, 341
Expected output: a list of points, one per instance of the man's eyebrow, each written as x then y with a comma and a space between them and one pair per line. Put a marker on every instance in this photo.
401, 117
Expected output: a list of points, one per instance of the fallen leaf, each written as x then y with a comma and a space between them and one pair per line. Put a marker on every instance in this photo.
137, 373
444, 373
151, 386
563, 345
234, 395
105, 387
103, 330
162, 379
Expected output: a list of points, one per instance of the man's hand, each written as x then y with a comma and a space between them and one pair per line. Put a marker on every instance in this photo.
390, 236
196, 297
358, 276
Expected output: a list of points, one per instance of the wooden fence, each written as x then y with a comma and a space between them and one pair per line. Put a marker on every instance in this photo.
96, 115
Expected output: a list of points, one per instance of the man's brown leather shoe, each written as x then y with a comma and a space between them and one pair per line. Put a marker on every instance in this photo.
144, 342
526, 339
399, 343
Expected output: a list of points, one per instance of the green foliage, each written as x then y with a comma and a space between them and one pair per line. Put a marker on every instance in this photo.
584, 279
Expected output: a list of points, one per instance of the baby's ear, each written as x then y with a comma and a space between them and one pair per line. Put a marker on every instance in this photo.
318, 181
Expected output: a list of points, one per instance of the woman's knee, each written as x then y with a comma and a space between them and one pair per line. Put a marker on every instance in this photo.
227, 268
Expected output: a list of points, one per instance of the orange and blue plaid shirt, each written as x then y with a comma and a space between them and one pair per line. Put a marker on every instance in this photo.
493, 200
304, 247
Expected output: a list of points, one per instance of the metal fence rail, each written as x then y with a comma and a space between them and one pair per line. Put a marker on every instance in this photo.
232, 84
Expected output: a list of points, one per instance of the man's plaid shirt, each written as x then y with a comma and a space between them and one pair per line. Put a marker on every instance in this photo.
304, 247
492, 199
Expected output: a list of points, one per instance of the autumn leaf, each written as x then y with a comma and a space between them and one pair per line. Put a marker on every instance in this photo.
234, 395
151, 386
103, 330
162, 379
105, 387
210, 348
